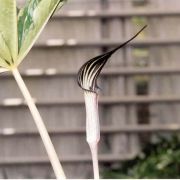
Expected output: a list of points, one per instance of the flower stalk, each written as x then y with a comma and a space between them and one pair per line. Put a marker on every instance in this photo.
59, 173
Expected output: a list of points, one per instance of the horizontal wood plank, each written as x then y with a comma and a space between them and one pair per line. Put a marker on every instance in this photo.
126, 71
103, 101
108, 43
174, 127
67, 159
121, 14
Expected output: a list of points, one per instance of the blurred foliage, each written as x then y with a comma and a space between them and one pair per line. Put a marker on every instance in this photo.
140, 52
140, 3
140, 21
160, 159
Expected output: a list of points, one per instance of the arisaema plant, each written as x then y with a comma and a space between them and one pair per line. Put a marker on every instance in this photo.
87, 80
18, 32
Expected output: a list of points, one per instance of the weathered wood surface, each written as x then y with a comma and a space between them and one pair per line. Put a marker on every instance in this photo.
82, 30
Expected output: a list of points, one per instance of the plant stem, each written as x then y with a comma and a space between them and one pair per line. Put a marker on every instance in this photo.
59, 173
92, 128
94, 152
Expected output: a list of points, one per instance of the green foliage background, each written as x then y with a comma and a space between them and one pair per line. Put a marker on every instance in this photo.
157, 160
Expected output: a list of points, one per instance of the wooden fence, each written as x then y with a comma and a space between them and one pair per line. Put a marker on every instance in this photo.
140, 86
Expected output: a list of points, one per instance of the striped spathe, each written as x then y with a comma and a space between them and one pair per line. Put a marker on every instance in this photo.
89, 72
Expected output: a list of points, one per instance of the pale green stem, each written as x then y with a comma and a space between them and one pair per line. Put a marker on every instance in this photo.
59, 173
92, 128
94, 152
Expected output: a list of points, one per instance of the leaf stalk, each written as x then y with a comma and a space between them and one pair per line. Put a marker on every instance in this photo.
59, 173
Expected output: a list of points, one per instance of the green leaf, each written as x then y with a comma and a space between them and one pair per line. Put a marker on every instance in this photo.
4, 49
8, 31
31, 21
4, 63
25, 20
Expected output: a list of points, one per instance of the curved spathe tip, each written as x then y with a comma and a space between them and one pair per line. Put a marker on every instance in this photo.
89, 72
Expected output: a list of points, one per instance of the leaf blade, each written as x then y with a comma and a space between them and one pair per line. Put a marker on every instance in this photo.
8, 28
38, 13
4, 49
4, 63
